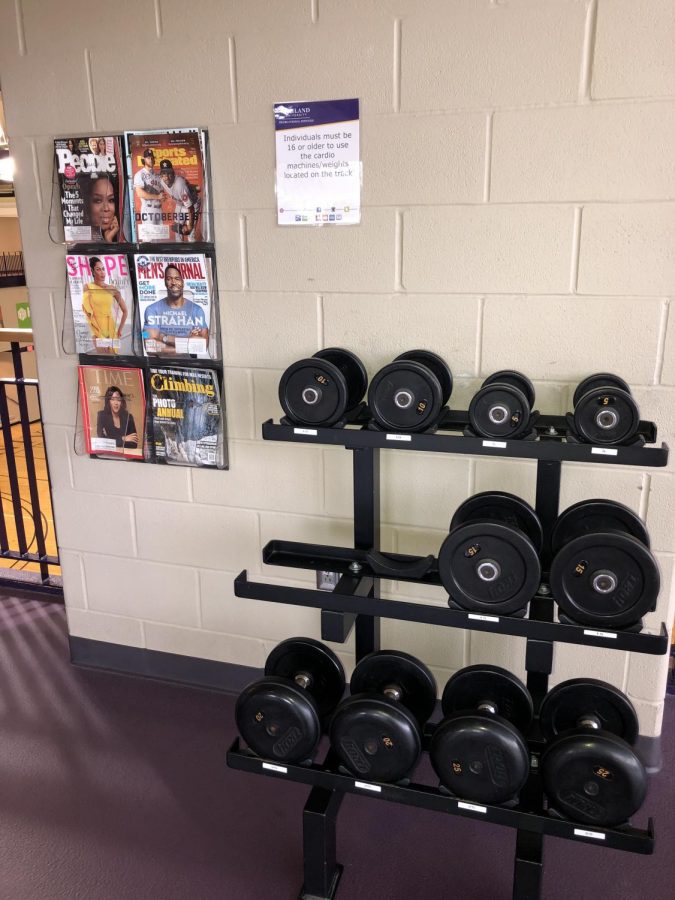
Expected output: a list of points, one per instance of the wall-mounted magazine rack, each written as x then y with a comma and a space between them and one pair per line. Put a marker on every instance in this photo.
180, 421
194, 175
118, 316
118, 270
175, 187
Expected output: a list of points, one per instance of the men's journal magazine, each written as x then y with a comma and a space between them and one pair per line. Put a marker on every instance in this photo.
174, 303
103, 303
186, 416
112, 399
168, 189
91, 185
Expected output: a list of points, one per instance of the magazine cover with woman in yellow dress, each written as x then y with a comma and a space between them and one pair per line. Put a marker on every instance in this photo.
102, 301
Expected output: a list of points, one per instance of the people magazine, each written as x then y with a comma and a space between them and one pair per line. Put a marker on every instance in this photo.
90, 174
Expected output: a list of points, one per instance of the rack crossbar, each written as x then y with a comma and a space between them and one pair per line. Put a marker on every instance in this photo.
654, 644
554, 449
626, 837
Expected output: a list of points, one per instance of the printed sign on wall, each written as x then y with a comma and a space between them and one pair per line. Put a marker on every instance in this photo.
318, 162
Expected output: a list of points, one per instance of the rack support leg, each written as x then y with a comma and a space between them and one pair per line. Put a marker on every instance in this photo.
322, 873
529, 865
366, 467
547, 502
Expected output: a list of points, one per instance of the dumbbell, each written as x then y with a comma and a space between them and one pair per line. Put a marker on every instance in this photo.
490, 560
603, 572
282, 715
409, 394
478, 750
321, 390
503, 406
590, 772
377, 731
604, 410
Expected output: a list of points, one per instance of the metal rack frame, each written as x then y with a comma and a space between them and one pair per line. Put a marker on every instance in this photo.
356, 603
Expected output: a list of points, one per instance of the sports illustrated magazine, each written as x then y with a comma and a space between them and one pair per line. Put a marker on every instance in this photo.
167, 186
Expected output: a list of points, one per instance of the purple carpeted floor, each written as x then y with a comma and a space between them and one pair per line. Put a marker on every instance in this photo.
115, 788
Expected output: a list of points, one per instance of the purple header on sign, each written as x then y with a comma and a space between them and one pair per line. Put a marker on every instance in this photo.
314, 112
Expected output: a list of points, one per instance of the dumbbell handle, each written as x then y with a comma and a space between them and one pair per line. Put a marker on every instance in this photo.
303, 679
393, 692
589, 721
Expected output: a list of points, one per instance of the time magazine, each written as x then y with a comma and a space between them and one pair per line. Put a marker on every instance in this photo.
112, 400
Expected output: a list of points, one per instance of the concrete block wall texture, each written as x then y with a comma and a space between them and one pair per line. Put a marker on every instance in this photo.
519, 210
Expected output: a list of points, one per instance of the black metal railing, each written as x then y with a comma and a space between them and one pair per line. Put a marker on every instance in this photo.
24, 526
12, 273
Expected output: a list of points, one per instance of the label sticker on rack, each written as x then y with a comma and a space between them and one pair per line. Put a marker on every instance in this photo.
311, 431
604, 451
368, 787
597, 835
399, 437
501, 445
603, 634
274, 768
472, 807
483, 618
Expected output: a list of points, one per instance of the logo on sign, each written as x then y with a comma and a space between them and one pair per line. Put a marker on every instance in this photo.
281, 112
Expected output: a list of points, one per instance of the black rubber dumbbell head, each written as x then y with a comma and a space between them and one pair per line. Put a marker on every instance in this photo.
437, 365
478, 751
588, 700
594, 517
605, 412
610, 580
377, 731
321, 390
489, 567
353, 370
515, 379
503, 406
591, 774
409, 394
499, 506
282, 715
602, 380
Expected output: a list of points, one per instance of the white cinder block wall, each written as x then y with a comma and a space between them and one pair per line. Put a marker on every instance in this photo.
518, 213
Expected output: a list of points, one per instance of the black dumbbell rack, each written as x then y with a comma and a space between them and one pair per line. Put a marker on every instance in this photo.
355, 602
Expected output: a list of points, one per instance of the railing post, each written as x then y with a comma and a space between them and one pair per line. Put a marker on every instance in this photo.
16, 337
